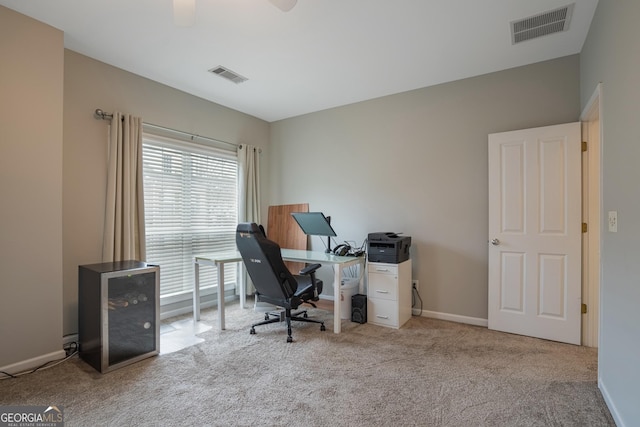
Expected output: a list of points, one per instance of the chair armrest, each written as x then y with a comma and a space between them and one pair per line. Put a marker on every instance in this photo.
309, 269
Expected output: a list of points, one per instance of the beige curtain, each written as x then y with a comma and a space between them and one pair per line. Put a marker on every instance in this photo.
248, 193
124, 237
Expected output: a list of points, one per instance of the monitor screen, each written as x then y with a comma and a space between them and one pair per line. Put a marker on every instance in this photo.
314, 223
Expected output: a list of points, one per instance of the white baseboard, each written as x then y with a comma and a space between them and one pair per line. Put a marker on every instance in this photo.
612, 407
33, 363
476, 321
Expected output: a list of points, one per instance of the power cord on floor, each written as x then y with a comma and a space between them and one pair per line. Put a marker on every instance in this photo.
70, 349
415, 295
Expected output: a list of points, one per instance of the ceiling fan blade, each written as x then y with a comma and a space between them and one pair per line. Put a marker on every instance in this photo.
284, 5
184, 12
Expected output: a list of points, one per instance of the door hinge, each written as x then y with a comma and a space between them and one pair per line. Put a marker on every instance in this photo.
584, 308
584, 145
584, 227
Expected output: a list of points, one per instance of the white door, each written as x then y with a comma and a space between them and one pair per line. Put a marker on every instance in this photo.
535, 232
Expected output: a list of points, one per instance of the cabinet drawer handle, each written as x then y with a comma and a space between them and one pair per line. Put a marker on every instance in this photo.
382, 317
382, 269
382, 292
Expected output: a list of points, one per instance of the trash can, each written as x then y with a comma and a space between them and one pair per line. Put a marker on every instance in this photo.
347, 290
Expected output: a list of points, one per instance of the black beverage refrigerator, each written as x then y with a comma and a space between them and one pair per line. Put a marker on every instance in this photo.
118, 313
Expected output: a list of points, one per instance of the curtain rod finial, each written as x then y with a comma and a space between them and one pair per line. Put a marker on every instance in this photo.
99, 114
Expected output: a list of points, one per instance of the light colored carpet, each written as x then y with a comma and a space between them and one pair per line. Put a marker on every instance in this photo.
428, 373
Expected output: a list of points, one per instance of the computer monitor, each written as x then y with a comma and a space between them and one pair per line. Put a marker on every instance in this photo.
314, 223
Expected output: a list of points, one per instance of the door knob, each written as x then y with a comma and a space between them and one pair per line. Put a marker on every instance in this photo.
495, 242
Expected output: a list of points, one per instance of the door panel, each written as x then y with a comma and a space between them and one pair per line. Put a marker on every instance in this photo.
552, 185
553, 285
513, 181
512, 296
535, 232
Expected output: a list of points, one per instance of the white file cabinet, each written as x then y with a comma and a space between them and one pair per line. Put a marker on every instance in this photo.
389, 293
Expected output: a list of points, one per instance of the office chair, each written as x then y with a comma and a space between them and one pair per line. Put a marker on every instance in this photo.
273, 281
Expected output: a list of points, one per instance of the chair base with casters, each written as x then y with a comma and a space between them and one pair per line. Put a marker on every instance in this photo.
286, 315
308, 288
274, 282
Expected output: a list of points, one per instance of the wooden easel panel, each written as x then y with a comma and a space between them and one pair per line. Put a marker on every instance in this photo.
285, 231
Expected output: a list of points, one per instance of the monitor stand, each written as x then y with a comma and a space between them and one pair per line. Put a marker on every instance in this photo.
328, 250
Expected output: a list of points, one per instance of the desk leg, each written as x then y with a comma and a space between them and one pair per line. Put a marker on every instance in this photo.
196, 293
337, 279
220, 268
243, 287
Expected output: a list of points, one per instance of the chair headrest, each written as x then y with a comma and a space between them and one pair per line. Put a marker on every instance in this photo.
250, 230
247, 227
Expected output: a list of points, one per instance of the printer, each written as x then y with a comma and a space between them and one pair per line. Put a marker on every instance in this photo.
388, 247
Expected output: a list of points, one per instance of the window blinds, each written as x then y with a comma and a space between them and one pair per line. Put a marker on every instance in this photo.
190, 195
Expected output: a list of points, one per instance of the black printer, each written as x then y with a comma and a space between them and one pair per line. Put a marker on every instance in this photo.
388, 247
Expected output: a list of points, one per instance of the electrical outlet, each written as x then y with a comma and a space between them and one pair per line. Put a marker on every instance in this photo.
613, 221
68, 339
415, 299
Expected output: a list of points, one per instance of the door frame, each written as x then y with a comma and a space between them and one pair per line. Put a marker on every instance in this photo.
591, 119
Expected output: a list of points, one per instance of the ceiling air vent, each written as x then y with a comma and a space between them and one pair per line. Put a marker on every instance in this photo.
553, 21
228, 74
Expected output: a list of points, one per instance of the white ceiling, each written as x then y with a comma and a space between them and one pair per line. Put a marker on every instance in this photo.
321, 54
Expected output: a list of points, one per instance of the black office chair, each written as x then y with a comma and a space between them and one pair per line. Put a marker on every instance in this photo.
272, 279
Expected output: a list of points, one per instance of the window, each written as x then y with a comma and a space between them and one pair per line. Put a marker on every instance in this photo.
190, 197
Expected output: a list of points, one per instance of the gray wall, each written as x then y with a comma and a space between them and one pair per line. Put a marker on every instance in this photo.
90, 84
416, 162
610, 55
31, 109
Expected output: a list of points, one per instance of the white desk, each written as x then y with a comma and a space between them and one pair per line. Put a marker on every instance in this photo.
220, 259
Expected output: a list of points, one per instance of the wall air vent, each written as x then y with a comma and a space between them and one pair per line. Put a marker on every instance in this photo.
228, 74
542, 24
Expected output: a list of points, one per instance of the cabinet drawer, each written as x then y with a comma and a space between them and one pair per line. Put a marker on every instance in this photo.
377, 268
382, 312
383, 289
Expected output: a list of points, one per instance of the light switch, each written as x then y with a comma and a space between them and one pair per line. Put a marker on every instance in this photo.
613, 221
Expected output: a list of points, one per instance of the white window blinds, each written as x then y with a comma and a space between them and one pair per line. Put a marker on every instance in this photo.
190, 196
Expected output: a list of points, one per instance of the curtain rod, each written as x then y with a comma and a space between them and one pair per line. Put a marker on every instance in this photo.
101, 115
